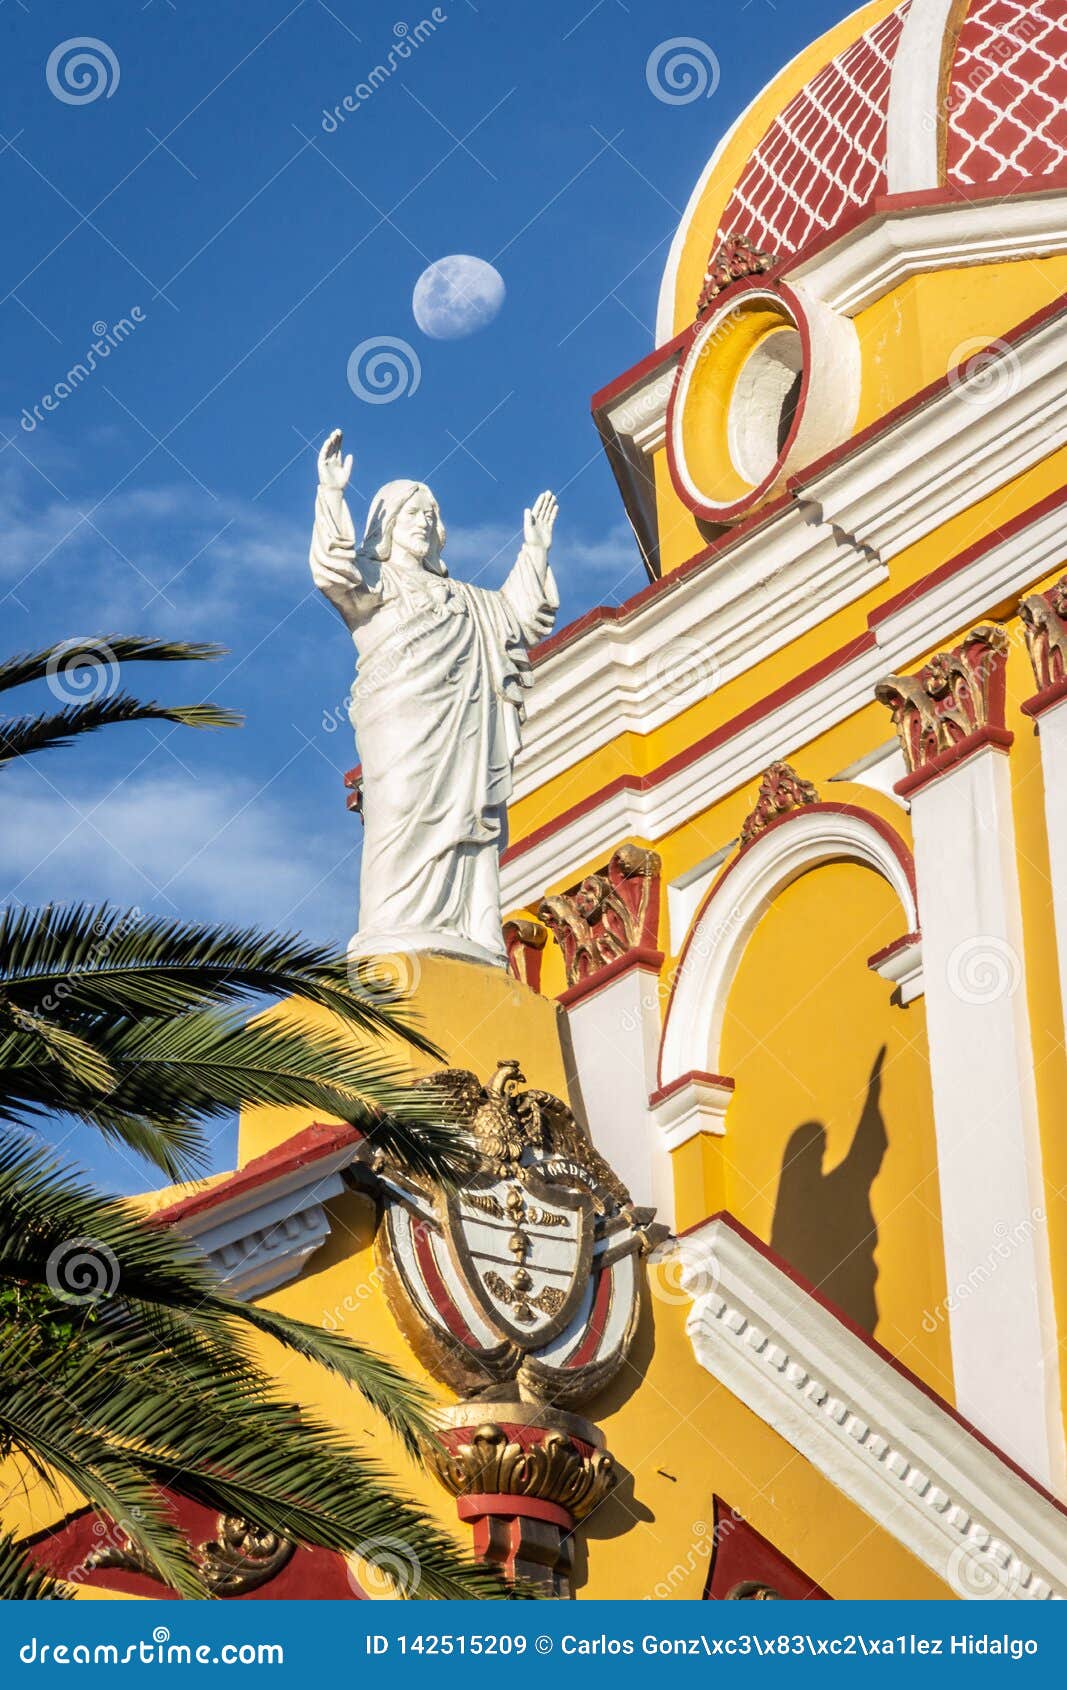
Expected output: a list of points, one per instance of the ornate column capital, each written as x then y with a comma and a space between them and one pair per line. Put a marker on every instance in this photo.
522, 1476
951, 707
608, 921
1044, 620
525, 942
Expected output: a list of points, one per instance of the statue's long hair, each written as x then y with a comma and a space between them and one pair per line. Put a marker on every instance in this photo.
388, 502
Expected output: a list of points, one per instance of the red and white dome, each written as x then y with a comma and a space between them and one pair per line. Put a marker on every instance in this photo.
923, 96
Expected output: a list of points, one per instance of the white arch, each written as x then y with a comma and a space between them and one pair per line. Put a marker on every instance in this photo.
916, 116
722, 929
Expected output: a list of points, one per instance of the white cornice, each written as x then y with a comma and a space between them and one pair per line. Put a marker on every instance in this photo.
261, 1237
695, 1104
895, 1451
875, 256
635, 672
999, 417
688, 639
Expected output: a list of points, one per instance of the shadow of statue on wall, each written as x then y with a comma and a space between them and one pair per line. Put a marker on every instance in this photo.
823, 1223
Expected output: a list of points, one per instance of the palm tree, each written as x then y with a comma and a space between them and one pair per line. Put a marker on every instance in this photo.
138, 1027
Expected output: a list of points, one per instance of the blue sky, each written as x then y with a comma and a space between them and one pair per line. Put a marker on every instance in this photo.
171, 492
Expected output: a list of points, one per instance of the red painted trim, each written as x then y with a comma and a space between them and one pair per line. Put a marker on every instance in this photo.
439, 1292
754, 713
874, 1346
669, 583
730, 299
999, 739
878, 210
650, 364
639, 957
300, 1151
598, 1317
1045, 699
885, 207
480, 1503
527, 1434
891, 837
889, 950
962, 560
694, 1076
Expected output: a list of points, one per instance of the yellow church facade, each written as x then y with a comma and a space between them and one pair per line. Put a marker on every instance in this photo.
785, 905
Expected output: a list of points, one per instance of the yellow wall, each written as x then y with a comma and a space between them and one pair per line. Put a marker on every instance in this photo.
476, 1016
829, 1154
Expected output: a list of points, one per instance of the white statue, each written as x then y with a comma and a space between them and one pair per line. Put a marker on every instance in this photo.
436, 705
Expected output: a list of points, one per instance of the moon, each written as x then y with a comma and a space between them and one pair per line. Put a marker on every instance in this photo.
457, 296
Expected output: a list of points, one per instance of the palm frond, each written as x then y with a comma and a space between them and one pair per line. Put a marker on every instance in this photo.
21, 736
42, 1211
102, 651
39, 1418
121, 961
175, 1072
22, 1581
172, 1420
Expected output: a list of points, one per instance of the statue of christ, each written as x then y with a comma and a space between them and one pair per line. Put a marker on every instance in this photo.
436, 706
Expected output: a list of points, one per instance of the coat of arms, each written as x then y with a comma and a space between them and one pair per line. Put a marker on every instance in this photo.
528, 1275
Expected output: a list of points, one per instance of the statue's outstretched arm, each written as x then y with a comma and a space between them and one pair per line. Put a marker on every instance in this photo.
333, 540
530, 589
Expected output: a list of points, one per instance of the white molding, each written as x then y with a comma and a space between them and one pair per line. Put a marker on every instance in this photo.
686, 894
263, 1236
640, 412
903, 968
999, 1308
893, 1450
633, 674
1052, 740
717, 940
879, 769
1003, 569
914, 119
998, 573
970, 438
877, 255
697, 1105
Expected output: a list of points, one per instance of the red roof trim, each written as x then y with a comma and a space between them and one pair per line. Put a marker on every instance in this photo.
303, 1149
650, 364
875, 1347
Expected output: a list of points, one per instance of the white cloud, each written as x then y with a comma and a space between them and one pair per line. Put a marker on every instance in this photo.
204, 847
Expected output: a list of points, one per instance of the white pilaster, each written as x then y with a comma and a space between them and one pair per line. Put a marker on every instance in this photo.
999, 1303
1052, 737
615, 1033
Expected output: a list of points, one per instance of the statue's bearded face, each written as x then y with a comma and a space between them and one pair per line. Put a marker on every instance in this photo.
415, 528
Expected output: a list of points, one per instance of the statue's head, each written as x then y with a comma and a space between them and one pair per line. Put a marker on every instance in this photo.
404, 514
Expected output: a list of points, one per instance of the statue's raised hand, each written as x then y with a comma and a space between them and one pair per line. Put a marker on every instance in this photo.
334, 470
539, 522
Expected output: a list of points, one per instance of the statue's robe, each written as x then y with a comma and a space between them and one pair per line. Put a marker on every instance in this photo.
437, 708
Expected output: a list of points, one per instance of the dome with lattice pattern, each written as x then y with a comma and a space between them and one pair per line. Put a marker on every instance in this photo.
901, 100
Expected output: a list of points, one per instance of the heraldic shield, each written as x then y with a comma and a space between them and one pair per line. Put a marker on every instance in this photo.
528, 1274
